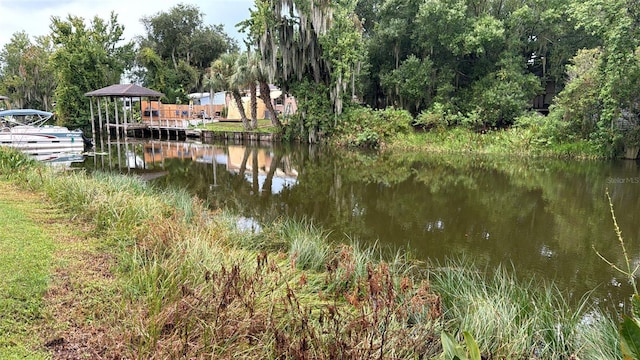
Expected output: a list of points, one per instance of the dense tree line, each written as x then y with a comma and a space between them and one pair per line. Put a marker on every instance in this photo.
473, 63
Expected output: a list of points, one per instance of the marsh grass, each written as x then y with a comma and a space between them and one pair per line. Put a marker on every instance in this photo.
309, 248
259, 304
516, 320
598, 337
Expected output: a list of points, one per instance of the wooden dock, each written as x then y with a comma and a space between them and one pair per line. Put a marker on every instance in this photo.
141, 130
150, 131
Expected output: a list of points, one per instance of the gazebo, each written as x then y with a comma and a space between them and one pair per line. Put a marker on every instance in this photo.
113, 93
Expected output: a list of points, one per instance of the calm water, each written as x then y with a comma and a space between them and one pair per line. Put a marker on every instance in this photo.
542, 218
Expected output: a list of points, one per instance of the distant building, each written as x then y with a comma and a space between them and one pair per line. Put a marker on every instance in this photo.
203, 107
282, 103
216, 103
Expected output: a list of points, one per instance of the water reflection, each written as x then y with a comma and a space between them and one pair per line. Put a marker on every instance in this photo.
262, 168
541, 217
60, 159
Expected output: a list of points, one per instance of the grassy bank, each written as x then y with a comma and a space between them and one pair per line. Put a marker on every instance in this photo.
264, 126
181, 281
529, 141
512, 142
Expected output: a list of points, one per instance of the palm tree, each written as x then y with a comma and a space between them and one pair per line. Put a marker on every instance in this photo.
262, 76
246, 75
221, 77
265, 95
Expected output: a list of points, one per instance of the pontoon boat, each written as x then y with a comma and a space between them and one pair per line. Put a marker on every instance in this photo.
24, 129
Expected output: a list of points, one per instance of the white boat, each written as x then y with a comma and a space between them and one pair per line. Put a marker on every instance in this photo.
24, 129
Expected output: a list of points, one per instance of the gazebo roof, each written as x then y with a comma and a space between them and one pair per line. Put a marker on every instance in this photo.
124, 90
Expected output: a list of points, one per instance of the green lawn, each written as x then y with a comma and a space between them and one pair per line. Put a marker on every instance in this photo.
263, 126
25, 257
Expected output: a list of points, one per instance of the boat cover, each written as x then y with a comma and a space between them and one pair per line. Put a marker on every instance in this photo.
25, 112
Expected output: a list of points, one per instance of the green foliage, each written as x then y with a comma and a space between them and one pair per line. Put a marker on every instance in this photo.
26, 76
439, 116
13, 161
501, 96
487, 59
604, 91
180, 34
344, 50
314, 116
86, 59
412, 84
630, 333
578, 104
553, 134
451, 350
367, 128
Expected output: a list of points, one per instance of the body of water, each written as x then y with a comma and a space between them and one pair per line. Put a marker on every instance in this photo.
542, 218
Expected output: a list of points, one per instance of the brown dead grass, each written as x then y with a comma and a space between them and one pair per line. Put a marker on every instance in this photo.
81, 324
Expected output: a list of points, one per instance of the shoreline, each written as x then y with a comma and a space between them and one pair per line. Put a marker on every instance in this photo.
183, 272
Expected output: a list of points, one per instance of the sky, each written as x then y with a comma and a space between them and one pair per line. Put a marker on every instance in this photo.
34, 16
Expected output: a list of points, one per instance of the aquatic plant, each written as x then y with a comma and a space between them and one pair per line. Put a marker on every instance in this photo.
630, 326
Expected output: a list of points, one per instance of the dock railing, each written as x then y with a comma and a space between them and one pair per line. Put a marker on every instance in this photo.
176, 116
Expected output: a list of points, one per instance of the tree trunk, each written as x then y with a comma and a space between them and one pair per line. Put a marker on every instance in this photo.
254, 107
173, 58
265, 95
243, 116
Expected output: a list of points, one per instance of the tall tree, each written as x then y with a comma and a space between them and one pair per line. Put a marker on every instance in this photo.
25, 72
246, 76
265, 95
600, 100
86, 58
411, 83
221, 77
614, 22
170, 33
308, 40
177, 49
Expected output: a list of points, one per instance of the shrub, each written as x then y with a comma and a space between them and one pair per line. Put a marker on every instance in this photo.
13, 162
368, 128
435, 117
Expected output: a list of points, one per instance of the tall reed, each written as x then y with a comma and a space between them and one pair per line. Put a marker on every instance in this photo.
516, 320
